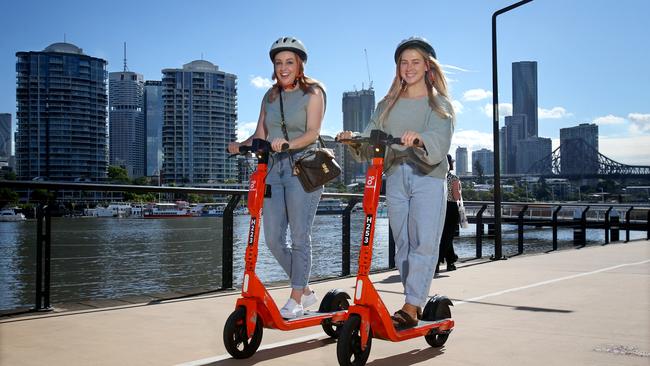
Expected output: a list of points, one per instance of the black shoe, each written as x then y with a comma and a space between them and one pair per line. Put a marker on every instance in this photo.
451, 267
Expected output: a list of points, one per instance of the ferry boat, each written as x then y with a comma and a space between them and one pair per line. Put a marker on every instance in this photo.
112, 210
9, 214
213, 209
208, 209
330, 206
167, 210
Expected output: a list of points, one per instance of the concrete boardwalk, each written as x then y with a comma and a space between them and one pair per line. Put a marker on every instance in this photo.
576, 307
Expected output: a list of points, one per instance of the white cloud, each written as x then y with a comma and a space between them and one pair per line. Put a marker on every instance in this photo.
471, 139
639, 122
476, 94
631, 150
446, 69
458, 106
553, 113
260, 82
609, 120
505, 109
245, 130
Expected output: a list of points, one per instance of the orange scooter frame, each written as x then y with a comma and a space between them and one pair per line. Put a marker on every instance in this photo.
368, 317
255, 309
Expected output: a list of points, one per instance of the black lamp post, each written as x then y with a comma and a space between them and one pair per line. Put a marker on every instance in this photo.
495, 131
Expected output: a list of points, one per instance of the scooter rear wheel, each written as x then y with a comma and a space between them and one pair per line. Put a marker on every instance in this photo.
234, 335
348, 347
335, 300
442, 311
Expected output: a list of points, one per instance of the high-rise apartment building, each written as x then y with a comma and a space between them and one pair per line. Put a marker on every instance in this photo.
126, 122
61, 114
514, 131
5, 137
579, 149
531, 152
485, 158
153, 116
200, 113
358, 107
524, 93
461, 161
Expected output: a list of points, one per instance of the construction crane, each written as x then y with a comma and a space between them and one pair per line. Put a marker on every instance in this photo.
368, 69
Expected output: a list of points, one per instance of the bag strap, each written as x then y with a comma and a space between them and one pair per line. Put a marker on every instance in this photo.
283, 124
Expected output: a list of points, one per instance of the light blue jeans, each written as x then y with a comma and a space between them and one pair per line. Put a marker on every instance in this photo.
289, 206
416, 212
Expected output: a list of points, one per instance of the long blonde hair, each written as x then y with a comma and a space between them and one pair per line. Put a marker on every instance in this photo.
436, 85
305, 83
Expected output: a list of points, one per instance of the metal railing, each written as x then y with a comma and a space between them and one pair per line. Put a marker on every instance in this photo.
555, 215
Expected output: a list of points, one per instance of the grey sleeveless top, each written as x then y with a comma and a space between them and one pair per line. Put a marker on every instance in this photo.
295, 114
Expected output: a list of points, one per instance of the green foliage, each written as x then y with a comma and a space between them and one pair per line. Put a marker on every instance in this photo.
8, 196
117, 174
41, 195
142, 181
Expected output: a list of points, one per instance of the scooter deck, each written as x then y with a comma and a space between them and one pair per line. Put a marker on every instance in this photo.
313, 314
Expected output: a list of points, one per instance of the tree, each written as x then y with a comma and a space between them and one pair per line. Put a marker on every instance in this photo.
8, 196
117, 174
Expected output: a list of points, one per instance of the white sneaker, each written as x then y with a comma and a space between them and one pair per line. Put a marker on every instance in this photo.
309, 300
291, 309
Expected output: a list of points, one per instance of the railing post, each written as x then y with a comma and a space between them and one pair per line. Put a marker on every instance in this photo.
647, 225
479, 231
227, 244
628, 215
607, 223
39, 258
520, 230
47, 256
391, 248
554, 224
43, 256
345, 236
583, 225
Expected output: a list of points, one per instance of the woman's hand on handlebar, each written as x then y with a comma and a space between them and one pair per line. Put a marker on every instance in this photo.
344, 135
233, 147
411, 139
280, 144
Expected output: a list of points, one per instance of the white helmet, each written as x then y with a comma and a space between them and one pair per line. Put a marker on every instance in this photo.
288, 44
419, 42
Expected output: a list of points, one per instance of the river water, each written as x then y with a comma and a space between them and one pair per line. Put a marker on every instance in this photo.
105, 258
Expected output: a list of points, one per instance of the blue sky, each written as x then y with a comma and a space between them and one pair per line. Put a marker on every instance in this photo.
593, 55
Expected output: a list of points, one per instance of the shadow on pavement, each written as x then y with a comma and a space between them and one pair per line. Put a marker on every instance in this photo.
277, 352
407, 358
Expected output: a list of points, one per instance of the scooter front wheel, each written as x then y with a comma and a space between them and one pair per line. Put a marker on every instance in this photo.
348, 347
234, 335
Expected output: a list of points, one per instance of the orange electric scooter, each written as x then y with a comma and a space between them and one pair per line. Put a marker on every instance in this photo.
255, 309
368, 317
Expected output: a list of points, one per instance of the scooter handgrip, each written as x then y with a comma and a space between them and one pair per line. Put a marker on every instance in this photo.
285, 146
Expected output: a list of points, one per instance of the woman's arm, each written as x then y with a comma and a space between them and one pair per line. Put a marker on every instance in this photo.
455, 189
436, 139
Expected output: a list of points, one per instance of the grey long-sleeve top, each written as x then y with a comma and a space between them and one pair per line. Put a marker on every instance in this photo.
414, 115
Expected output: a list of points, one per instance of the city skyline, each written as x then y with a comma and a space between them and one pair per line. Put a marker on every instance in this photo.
586, 73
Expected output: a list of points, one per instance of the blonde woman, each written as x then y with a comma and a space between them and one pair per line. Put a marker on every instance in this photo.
418, 109
292, 112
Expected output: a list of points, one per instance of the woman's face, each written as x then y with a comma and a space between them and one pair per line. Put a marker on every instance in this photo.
412, 67
285, 65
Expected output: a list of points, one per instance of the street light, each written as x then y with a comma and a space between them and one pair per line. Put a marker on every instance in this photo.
495, 131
